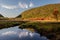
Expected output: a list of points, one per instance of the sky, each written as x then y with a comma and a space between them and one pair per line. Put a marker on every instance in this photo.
13, 8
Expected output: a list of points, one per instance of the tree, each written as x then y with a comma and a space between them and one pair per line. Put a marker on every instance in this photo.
55, 13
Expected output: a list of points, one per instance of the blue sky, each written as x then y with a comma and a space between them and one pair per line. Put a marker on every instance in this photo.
12, 8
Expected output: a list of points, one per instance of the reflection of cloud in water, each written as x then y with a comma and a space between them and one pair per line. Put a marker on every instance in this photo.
21, 35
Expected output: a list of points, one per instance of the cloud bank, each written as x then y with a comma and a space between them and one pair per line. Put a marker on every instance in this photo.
21, 35
19, 5
8, 6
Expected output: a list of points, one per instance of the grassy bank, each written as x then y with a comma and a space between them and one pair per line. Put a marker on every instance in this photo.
7, 24
49, 29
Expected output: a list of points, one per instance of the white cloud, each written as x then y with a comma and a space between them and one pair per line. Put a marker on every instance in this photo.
23, 5
8, 6
9, 33
20, 5
21, 35
31, 4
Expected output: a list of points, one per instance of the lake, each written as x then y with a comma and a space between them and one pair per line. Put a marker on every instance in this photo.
14, 33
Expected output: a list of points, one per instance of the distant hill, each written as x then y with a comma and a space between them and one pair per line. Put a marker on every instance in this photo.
1, 15
45, 11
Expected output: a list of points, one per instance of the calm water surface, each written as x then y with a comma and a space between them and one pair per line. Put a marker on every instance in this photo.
14, 33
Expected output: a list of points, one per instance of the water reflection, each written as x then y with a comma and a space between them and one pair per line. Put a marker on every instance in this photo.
19, 34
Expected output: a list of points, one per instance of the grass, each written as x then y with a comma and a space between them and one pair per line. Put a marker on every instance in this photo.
42, 12
7, 24
48, 29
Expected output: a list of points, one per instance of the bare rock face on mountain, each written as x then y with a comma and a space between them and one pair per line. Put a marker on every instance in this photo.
43, 12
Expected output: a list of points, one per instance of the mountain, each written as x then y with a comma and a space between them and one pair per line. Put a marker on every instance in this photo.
44, 12
1, 15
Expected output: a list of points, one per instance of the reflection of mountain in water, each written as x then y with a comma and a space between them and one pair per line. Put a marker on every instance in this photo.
19, 34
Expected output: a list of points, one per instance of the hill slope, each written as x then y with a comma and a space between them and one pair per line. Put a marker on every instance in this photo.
45, 11
1, 15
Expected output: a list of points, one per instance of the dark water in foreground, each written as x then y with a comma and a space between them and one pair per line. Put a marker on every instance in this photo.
14, 33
